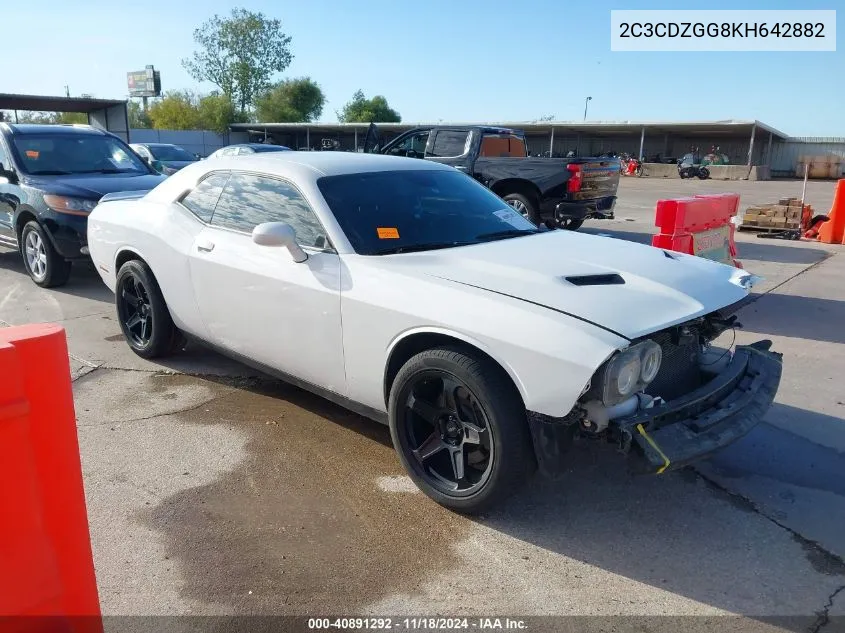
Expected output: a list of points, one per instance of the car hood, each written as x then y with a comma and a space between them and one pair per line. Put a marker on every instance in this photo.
94, 186
630, 289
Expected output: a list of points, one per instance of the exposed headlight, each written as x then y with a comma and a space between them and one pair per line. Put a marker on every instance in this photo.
630, 371
70, 206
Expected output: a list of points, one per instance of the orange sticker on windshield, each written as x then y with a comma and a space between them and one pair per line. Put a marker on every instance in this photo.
387, 233
31, 153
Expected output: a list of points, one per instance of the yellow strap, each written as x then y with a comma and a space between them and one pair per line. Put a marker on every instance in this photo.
655, 447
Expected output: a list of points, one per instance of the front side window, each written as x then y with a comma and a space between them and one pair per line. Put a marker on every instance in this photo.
202, 200
412, 146
449, 143
250, 199
395, 211
55, 154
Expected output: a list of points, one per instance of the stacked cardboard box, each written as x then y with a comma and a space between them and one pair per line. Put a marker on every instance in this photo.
786, 214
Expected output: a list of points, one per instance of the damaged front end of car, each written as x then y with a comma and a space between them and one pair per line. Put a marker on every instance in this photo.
667, 400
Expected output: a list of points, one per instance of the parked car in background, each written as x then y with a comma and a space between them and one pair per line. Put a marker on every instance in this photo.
165, 157
557, 191
411, 294
248, 148
51, 177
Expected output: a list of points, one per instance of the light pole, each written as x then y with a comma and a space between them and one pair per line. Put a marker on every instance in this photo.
586, 103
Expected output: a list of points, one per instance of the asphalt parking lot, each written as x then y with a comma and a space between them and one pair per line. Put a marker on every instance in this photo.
212, 490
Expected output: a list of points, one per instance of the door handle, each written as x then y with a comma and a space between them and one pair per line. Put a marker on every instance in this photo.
204, 246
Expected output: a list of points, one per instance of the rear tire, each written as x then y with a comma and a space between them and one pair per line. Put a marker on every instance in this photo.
523, 205
703, 173
43, 263
142, 312
482, 424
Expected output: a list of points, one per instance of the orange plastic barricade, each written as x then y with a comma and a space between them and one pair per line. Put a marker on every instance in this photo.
700, 226
47, 580
833, 231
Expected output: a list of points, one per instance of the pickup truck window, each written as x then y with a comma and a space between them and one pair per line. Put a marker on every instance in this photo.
502, 146
449, 143
412, 146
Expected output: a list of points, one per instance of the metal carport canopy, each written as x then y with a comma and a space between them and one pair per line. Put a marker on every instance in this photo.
106, 114
690, 128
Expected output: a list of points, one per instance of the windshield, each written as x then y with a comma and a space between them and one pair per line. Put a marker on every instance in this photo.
170, 152
55, 154
395, 211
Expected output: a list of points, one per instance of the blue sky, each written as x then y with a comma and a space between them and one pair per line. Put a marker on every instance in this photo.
455, 60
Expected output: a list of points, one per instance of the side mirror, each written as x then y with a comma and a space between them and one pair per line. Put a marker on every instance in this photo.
279, 234
7, 176
197, 156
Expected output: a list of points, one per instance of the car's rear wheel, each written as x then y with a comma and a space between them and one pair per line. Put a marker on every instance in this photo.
142, 312
459, 427
45, 266
524, 205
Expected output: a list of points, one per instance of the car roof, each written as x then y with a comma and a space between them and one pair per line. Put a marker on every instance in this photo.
38, 128
157, 144
328, 163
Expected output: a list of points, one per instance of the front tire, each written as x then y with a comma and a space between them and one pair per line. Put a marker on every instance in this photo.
459, 427
524, 205
142, 312
43, 263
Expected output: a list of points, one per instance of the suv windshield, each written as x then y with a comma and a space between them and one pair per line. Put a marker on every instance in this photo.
170, 152
75, 154
402, 211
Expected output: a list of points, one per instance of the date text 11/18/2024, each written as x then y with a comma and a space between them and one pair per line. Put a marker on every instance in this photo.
416, 623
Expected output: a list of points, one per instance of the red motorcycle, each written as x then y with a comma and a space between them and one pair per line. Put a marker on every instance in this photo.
632, 167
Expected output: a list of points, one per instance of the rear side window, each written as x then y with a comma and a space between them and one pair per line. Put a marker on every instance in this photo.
449, 143
202, 200
250, 200
502, 146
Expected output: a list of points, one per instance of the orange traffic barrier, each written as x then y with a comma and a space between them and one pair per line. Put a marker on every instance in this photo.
833, 231
700, 226
47, 580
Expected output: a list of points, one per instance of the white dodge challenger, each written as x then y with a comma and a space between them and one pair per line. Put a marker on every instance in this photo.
409, 293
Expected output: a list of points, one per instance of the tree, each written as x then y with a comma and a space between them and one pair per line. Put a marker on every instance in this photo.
216, 113
138, 117
291, 101
240, 54
176, 111
52, 118
363, 110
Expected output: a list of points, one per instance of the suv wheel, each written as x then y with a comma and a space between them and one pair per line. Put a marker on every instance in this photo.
45, 266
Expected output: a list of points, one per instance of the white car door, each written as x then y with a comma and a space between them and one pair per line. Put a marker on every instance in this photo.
256, 300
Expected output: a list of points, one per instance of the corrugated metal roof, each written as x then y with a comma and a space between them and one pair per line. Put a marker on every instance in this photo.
727, 125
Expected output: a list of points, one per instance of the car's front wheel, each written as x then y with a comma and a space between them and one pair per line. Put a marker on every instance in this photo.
460, 429
45, 266
142, 312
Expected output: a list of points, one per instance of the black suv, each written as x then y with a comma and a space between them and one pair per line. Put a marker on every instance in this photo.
51, 177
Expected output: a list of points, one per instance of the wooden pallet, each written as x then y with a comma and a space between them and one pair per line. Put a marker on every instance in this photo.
766, 229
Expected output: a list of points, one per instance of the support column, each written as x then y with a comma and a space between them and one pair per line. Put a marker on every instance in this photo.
751, 143
769, 150
356, 139
642, 142
308, 137
552, 143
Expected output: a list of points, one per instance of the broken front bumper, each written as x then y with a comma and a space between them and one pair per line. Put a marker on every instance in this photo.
718, 413
681, 431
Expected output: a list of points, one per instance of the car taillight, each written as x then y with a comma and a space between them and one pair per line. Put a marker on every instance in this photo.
573, 185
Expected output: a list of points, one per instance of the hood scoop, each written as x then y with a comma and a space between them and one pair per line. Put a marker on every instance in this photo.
605, 279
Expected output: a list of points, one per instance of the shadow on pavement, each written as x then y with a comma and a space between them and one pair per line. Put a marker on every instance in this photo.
794, 316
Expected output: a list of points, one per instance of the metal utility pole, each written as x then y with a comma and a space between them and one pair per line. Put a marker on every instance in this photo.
586, 103
67, 91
